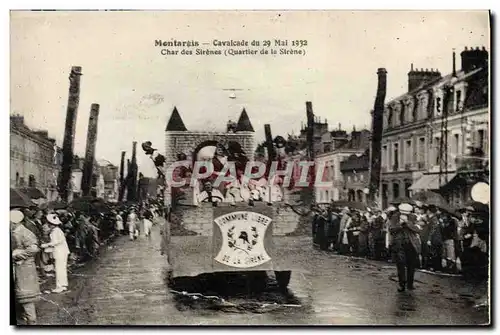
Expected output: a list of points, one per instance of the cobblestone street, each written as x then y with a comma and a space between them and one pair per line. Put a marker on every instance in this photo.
126, 286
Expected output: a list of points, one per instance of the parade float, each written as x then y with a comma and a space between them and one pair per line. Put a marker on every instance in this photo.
229, 212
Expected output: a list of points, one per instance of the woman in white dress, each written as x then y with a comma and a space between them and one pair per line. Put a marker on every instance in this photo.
60, 252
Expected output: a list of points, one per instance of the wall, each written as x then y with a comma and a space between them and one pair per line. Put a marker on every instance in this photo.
200, 220
31, 154
186, 141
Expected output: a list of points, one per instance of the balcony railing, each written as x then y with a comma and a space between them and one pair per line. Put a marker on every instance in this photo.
395, 167
408, 167
420, 165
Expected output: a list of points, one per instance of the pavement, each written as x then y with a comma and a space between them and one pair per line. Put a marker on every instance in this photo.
126, 286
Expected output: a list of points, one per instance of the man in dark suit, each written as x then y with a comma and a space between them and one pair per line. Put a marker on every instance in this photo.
406, 245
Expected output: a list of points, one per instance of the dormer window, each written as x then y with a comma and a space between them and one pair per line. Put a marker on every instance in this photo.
389, 118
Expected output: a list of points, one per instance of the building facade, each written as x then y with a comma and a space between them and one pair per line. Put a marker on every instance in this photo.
342, 146
97, 181
110, 178
34, 160
178, 140
356, 172
425, 129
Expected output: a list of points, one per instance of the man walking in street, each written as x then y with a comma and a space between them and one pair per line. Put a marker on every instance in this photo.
435, 239
24, 248
406, 245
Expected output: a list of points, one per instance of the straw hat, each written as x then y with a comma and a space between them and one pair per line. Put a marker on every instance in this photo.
405, 208
419, 204
53, 219
16, 216
391, 209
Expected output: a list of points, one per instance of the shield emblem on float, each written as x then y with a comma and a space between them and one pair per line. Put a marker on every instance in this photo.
243, 244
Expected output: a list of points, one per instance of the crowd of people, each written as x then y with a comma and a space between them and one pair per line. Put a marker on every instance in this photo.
46, 241
452, 242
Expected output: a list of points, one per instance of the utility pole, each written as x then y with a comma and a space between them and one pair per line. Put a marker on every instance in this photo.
376, 142
88, 165
69, 132
132, 176
443, 147
309, 195
122, 175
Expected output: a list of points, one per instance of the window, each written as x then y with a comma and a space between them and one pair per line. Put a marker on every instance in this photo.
414, 111
421, 150
395, 190
402, 113
359, 195
438, 106
459, 101
396, 156
408, 152
31, 181
407, 189
437, 150
480, 140
384, 156
456, 144
389, 118
17, 178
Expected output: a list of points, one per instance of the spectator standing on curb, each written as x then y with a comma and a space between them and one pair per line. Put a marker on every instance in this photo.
24, 248
60, 252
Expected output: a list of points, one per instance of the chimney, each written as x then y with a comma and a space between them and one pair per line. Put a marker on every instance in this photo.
355, 138
418, 78
42, 133
474, 58
454, 65
231, 126
310, 129
17, 120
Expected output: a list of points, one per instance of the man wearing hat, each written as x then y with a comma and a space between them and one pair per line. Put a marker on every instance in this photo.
60, 252
435, 238
406, 245
24, 248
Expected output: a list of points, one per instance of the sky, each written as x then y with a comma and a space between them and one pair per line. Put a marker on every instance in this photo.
137, 87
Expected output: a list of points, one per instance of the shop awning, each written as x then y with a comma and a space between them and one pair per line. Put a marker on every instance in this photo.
431, 181
33, 192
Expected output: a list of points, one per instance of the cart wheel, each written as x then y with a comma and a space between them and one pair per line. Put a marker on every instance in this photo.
283, 279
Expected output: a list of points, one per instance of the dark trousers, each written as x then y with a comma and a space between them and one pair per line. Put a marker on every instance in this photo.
378, 248
407, 265
353, 242
435, 257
